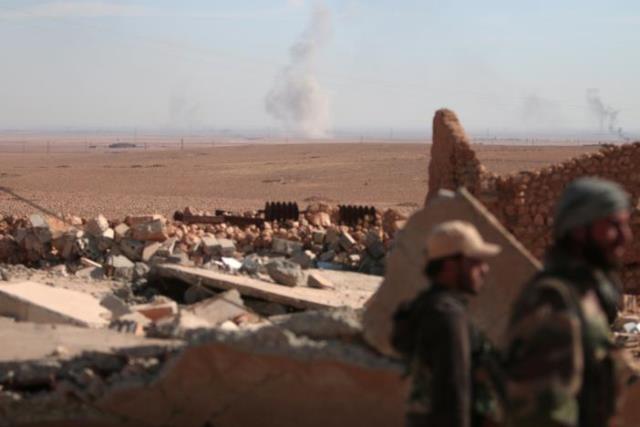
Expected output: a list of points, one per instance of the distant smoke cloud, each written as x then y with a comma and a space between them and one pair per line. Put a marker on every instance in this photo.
297, 99
184, 113
606, 115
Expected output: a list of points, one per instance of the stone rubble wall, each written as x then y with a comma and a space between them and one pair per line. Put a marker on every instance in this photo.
524, 202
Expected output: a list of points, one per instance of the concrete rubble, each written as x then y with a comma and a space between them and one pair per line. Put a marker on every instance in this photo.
231, 320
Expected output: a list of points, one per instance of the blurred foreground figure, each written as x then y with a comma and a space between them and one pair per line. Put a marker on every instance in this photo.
456, 376
563, 366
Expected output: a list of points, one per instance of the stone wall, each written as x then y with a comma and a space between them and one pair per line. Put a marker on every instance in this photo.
524, 201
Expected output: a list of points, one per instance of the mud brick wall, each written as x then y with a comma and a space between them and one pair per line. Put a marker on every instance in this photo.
524, 202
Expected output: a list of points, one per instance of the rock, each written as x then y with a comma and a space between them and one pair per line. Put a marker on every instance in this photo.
375, 247
140, 270
318, 237
317, 280
120, 266
332, 236
155, 230
346, 241
180, 258
285, 247
227, 247
167, 247
327, 256
97, 226
304, 259
132, 249
120, 231
196, 294
231, 264
115, 305
286, 272
252, 264
150, 250
38, 221
210, 244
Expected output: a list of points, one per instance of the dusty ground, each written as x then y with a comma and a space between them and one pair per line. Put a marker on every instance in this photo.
238, 177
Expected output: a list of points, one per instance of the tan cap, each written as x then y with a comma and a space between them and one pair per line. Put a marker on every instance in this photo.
458, 237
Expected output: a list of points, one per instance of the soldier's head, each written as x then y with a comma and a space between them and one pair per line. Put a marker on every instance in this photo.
592, 221
456, 256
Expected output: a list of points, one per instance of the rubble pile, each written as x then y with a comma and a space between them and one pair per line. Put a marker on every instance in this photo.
95, 247
524, 202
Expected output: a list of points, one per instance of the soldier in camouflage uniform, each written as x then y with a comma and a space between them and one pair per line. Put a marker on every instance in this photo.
453, 367
563, 365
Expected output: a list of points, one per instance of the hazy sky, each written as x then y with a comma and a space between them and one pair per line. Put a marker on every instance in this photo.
501, 64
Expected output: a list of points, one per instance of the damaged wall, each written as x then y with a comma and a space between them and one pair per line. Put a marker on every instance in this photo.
524, 202
405, 264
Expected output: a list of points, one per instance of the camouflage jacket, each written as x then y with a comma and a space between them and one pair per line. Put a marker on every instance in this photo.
454, 370
562, 364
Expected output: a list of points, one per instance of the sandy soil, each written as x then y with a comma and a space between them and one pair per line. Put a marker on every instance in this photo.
238, 177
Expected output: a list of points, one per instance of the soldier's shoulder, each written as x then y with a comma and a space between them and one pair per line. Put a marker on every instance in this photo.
546, 289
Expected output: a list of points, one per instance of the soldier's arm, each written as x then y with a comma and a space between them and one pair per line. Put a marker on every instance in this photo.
451, 361
545, 361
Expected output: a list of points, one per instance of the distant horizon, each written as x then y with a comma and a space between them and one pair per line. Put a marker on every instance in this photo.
344, 133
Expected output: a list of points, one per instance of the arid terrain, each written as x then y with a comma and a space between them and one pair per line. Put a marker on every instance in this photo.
238, 177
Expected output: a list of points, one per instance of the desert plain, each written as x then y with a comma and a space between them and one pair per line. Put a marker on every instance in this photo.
118, 182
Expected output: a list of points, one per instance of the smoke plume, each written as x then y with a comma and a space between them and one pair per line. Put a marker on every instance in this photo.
607, 116
297, 99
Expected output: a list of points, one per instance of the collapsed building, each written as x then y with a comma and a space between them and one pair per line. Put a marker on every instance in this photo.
201, 322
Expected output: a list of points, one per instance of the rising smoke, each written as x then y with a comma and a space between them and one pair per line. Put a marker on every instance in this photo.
297, 99
607, 116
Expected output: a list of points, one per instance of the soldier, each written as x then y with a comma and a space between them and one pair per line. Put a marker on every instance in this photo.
452, 365
562, 363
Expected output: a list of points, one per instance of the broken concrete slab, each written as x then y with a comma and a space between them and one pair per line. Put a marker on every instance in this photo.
225, 306
229, 378
39, 341
286, 273
34, 302
352, 289
150, 250
342, 323
405, 264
